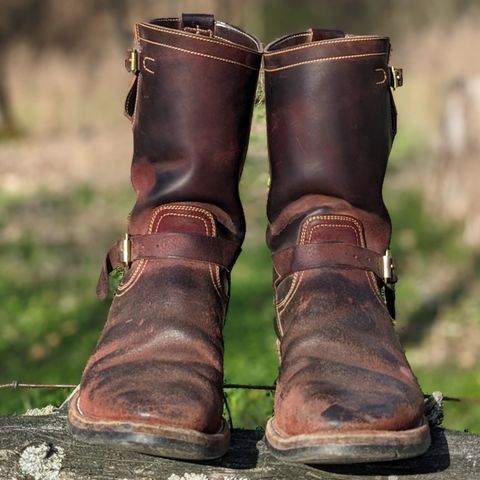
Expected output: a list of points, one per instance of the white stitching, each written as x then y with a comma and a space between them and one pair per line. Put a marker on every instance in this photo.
326, 59
205, 55
384, 76
180, 33
143, 262
325, 42
336, 225
293, 288
330, 217
145, 67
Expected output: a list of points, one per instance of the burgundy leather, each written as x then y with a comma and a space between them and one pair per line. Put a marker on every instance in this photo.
327, 254
331, 121
159, 360
191, 123
200, 248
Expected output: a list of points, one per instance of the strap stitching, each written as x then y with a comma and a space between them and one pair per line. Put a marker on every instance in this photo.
172, 31
319, 43
143, 262
205, 55
325, 59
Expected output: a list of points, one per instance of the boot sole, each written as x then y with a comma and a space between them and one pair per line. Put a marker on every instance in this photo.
347, 447
158, 440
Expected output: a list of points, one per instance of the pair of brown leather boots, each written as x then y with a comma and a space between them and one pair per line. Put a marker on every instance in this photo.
345, 391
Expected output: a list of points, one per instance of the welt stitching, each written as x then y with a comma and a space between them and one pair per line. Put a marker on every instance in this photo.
326, 59
365, 38
205, 55
171, 31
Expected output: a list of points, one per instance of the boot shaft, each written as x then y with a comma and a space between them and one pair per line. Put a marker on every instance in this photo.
331, 121
191, 106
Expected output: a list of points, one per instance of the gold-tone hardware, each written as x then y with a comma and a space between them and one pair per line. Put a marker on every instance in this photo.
131, 62
125, 250
389, 275
396, 77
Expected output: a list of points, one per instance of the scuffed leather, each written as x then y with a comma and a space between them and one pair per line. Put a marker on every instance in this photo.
330, 124
159, 360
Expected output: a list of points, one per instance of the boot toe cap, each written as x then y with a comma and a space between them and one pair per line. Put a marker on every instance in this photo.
311, 410
185, 403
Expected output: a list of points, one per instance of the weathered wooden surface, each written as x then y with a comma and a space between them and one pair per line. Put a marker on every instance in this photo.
40, 447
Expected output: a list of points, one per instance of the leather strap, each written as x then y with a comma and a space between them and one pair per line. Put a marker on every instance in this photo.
189, 246
327, 254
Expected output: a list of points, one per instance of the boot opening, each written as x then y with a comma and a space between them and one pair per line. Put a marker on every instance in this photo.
311, 35
206, 25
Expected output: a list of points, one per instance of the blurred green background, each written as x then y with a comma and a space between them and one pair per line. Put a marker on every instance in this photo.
65, 152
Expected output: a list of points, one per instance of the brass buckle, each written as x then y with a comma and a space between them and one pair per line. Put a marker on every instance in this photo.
389, 274
125, 250
131, 62
396, 77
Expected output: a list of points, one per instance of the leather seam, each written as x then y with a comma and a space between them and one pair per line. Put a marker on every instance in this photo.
332, 217
292, 286
318, 43
214, 279
326, 59
142, 264
199, 54
298, 276
171, 31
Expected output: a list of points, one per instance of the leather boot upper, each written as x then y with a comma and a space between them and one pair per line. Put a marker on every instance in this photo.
159, 360
331, 122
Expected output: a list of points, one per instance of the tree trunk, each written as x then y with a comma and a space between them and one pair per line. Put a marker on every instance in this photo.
41, 448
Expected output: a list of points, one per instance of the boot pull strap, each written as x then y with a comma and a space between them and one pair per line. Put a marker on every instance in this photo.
199, 23
325, 34
153, 246
131, 99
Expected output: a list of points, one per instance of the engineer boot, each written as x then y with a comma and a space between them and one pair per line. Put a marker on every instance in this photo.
155, 380
345, 393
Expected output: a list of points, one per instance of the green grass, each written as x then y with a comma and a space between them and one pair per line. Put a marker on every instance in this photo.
52, 245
